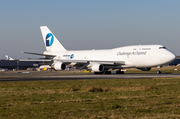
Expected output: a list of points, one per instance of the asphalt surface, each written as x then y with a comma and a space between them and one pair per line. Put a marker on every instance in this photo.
32, 76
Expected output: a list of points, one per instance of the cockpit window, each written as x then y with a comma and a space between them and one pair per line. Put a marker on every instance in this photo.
162, 48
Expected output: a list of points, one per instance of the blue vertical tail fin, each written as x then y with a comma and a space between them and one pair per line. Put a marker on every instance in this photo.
50, 41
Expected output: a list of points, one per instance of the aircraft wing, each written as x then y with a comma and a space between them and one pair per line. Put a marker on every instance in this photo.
108, 62
84, 63
78, 62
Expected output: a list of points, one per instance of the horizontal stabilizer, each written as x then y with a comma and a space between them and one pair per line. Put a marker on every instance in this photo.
39, 54
37, 60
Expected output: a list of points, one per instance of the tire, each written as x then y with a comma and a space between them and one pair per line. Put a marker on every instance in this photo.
98, 72
119, 72
107, 72
158, 72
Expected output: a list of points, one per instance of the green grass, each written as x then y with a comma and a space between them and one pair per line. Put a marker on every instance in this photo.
113, 98
167, 70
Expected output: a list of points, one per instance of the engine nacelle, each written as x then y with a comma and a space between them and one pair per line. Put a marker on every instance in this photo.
59, 66
145, 69
97, 68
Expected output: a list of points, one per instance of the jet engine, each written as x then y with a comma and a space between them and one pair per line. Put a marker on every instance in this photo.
145, 69
97, 68
59, 66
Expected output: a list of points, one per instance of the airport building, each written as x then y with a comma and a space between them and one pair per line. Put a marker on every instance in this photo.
175, 62
16, 64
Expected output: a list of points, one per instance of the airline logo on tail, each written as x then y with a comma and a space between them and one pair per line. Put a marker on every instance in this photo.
49, 39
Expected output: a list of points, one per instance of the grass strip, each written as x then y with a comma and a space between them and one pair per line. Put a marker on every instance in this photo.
108, 98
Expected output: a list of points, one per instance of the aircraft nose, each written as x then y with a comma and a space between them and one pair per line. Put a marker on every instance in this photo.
170, 57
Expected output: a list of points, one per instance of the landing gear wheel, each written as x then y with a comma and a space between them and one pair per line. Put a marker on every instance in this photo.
98, 72
119, 72
107, 72
158, 72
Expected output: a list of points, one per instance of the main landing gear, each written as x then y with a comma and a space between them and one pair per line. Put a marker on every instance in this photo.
105, 72
119, 72
159, 70
109, 72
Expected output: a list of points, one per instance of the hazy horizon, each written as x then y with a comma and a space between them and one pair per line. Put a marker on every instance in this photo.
85, 25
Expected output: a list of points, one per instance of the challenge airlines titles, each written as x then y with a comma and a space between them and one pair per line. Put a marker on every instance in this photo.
132, 53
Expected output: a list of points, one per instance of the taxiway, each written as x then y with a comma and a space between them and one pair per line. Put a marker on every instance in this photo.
27, 77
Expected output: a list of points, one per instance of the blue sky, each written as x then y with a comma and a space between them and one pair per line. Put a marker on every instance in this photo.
88, 24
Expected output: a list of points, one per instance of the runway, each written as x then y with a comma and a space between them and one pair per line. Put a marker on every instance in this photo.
86, 77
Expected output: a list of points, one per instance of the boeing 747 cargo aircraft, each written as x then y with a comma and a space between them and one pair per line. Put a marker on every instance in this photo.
142, 57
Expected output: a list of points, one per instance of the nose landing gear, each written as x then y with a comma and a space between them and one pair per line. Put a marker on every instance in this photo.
159, 70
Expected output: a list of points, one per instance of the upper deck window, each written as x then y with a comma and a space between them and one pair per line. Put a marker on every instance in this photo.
146, 48
162, 48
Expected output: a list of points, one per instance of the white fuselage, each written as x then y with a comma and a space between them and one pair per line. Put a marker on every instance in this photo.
138, 56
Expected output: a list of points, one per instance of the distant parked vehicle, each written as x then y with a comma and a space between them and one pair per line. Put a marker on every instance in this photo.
178, 65
44, 68
3, 69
